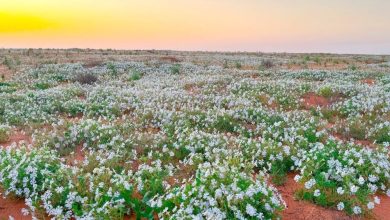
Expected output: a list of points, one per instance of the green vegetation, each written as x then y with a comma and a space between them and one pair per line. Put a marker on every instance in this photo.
186, 135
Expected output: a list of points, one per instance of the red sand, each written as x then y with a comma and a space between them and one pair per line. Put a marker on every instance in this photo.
312, 100
17, 136
368, 81
12, 207
303, 210
5, 71
382, 211
77, 156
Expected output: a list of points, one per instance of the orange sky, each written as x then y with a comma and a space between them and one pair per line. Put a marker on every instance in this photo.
346, 26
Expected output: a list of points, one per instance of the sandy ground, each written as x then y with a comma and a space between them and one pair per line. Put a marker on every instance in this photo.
16, 137
12, 207
302, 210
382, 211
311, 100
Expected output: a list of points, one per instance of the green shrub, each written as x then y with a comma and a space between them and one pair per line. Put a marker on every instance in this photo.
27, 183
317, 60
266, 64
279, 171
112, 68
4, 133
305, 88
353, 67
59, 77
8, 62
225, 123
345, 177
329, 114
216, 187
74, 107
42, 85
86, 78
175, 69
357, 130
135, 75
238, 65
382, 135
225, 64
152, 179
105, 193
326, 92
115, 205
5, 84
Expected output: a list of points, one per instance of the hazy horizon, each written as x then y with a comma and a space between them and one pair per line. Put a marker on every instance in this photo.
344, 27
191, 51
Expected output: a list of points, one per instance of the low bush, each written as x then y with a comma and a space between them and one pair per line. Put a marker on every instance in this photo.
65, 192
225, 123
329, 114
135, 75
86, 78
112, 69
266, 64
220, 191
175, 69
382, 134
344, 176
8, 62
353, 67
317, 60
357, 130
326, 92
24, 171
225, 64
4, 133
42, 85
238, 65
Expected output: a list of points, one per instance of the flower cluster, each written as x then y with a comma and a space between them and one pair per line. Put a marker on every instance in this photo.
345, 176
220, 191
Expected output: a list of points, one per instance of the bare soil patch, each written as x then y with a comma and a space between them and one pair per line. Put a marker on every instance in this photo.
5, 71
303, 210
192, 88
92, 63
76, 156
313, 100
365, 143
12, 207
368, 81
314, 66
170, 59
382, 211
16, 137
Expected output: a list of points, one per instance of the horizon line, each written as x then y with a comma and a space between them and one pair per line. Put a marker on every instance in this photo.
193, 51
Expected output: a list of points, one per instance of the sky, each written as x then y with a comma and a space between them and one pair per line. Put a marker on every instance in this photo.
336, 26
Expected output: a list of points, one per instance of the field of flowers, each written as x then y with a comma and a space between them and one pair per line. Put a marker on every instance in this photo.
180, 135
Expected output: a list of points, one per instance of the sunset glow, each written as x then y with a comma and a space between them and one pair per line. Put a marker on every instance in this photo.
251, 25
